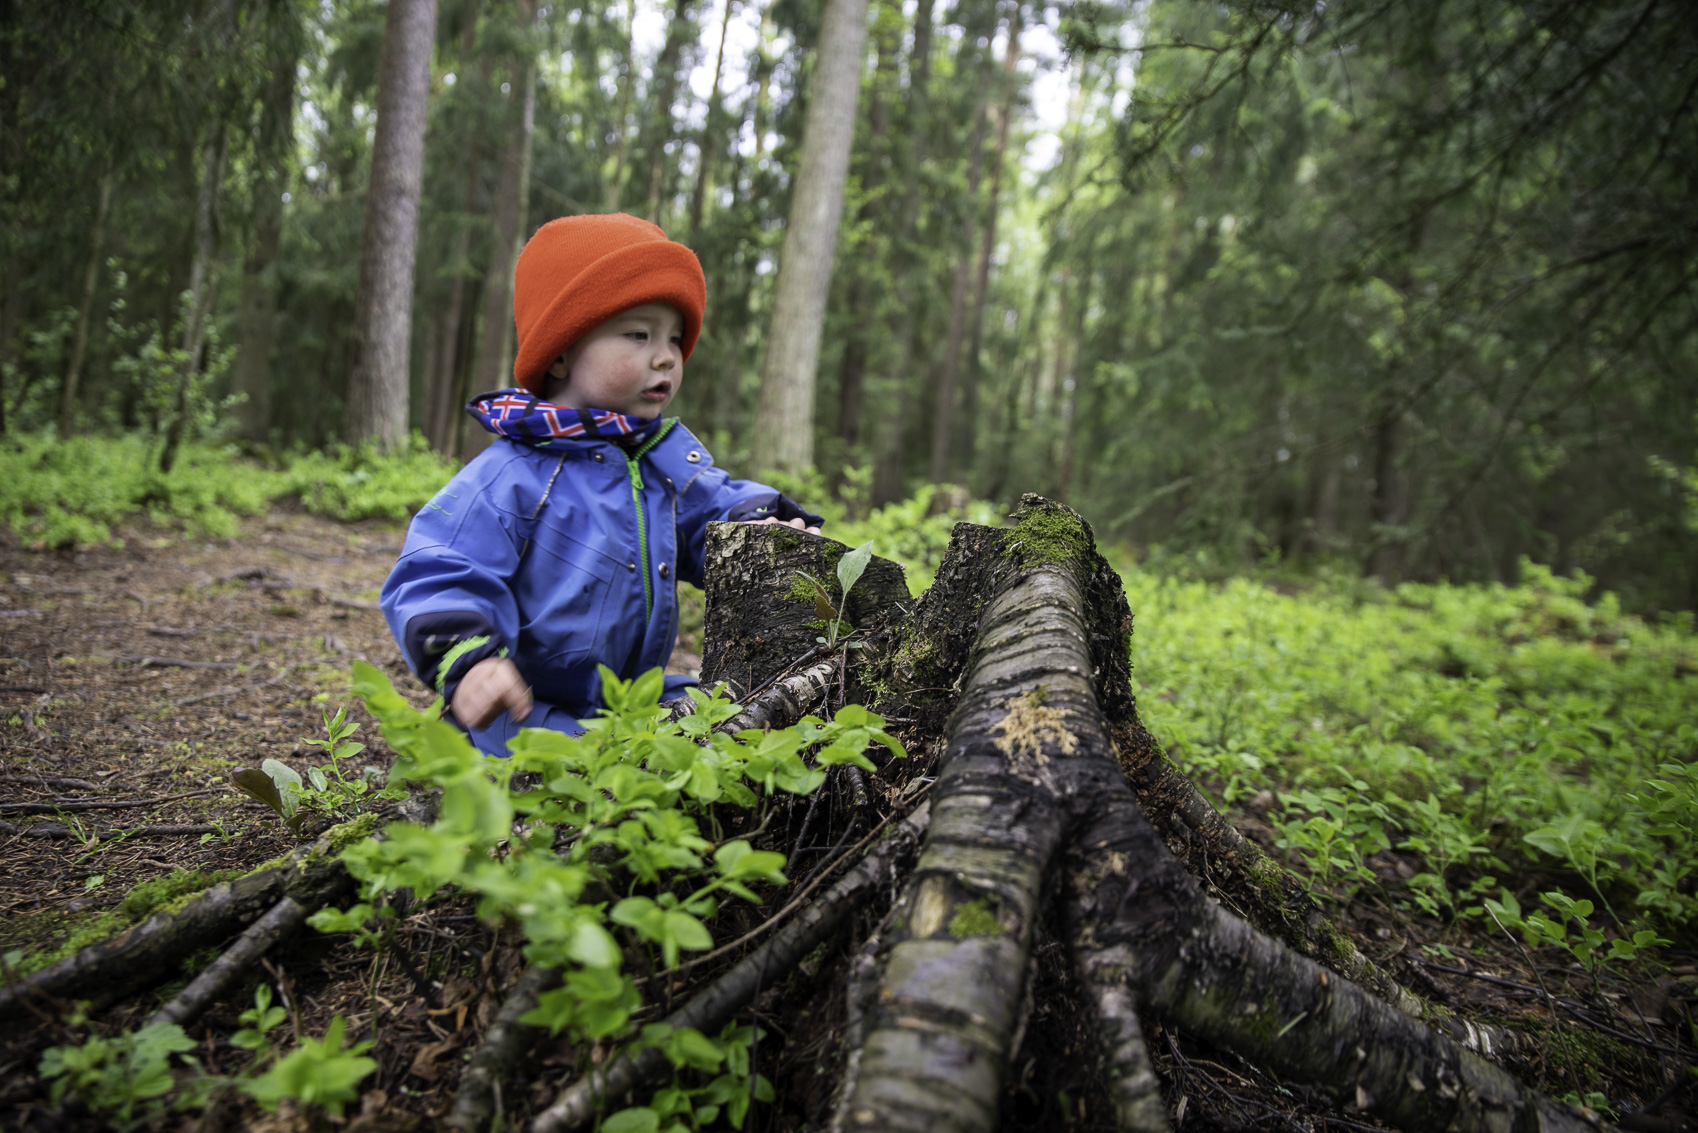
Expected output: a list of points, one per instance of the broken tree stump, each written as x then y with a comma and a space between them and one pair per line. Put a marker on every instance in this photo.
1030, 793
761, 614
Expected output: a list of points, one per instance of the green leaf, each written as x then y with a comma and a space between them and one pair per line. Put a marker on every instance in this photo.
851, 566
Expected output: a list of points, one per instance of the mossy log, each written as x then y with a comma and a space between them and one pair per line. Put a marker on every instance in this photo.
139, 957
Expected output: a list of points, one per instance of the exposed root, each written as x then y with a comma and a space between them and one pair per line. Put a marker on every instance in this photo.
204, 990
138, 957
494, 1059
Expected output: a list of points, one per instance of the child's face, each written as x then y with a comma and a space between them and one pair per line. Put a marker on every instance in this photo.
631, 364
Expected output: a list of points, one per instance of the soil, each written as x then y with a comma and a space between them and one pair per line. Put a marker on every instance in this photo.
135, 680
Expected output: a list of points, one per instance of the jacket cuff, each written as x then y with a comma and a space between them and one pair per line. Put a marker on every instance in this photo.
776, 506
458, 661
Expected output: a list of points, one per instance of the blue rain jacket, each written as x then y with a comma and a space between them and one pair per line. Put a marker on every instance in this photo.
562, 558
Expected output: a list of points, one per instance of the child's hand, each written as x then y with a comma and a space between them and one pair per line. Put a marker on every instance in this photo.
797, 523
488, 689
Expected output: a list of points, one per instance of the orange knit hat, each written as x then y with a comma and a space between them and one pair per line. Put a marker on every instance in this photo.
579, 271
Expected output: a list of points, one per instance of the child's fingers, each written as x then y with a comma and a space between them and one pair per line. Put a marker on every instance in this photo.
518, 698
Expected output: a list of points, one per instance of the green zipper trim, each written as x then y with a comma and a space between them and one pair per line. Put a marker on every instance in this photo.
637, 504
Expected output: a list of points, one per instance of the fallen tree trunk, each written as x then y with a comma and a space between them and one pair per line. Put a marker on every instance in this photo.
106, 972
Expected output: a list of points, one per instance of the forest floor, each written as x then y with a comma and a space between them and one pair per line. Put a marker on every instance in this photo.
134, 680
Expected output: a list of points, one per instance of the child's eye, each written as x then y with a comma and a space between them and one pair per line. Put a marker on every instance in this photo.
637, 335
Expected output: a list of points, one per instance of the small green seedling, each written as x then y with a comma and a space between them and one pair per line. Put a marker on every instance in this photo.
278, 786
125, 1077
256, 1022
849, 570
326, 788
318, 1072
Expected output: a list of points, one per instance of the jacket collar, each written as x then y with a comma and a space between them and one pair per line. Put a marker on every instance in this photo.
521, 416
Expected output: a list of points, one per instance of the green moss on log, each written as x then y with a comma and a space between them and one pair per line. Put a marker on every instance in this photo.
1045, 535
161, 895
975, 918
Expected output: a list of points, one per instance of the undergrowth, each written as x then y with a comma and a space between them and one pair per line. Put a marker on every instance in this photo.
64, 493
1519, 742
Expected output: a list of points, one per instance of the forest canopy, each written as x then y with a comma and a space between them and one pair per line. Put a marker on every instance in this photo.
1402, 289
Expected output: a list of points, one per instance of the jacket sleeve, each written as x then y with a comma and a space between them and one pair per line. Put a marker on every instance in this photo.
715, 495
449, 601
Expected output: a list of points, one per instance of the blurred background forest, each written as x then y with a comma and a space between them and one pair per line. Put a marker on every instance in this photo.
1403, 289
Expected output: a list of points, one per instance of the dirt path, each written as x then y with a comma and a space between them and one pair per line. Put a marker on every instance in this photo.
148, 673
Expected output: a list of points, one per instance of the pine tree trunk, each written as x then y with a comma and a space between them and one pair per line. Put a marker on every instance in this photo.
201, 269
443, 388
968, 432
668, 77
493, 364
888, 469
708, 150
383, 302
79, 341
257, 317
621, 123
943, 412
784, 424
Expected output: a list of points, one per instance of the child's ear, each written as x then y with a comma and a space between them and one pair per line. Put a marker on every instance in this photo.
559, 368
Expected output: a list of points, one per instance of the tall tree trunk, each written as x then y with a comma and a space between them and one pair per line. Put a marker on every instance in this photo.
442, 385
784, 426
383, 303
968, 432
888, 468
943, 412
201, 269
680, 32
1387, 504
708, 151
621, 123
257, 317
91, 281
852, 370
764, 65
493, 364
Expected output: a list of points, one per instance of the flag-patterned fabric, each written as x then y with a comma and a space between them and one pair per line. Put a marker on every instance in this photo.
523, 417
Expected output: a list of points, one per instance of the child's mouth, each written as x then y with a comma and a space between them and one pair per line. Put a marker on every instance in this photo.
657, 393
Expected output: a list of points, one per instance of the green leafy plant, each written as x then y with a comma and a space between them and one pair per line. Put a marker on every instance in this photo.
620, 809
326, 789
850, 567
323, 1072
1570, 929
257, 1022
125, 1078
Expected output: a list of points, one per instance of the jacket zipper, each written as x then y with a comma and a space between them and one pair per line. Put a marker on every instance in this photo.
637, 503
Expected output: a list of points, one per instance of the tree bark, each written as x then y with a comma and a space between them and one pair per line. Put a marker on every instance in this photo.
968, 432
257, 317
106, 972
761, 614
621, 121
784, 423
888, 470
943, 411
201, 269
1028, 791
708, 149
668, 77
69, 391
383, 301
493, 362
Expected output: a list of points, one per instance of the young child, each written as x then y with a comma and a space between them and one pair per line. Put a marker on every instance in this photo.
561, 545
